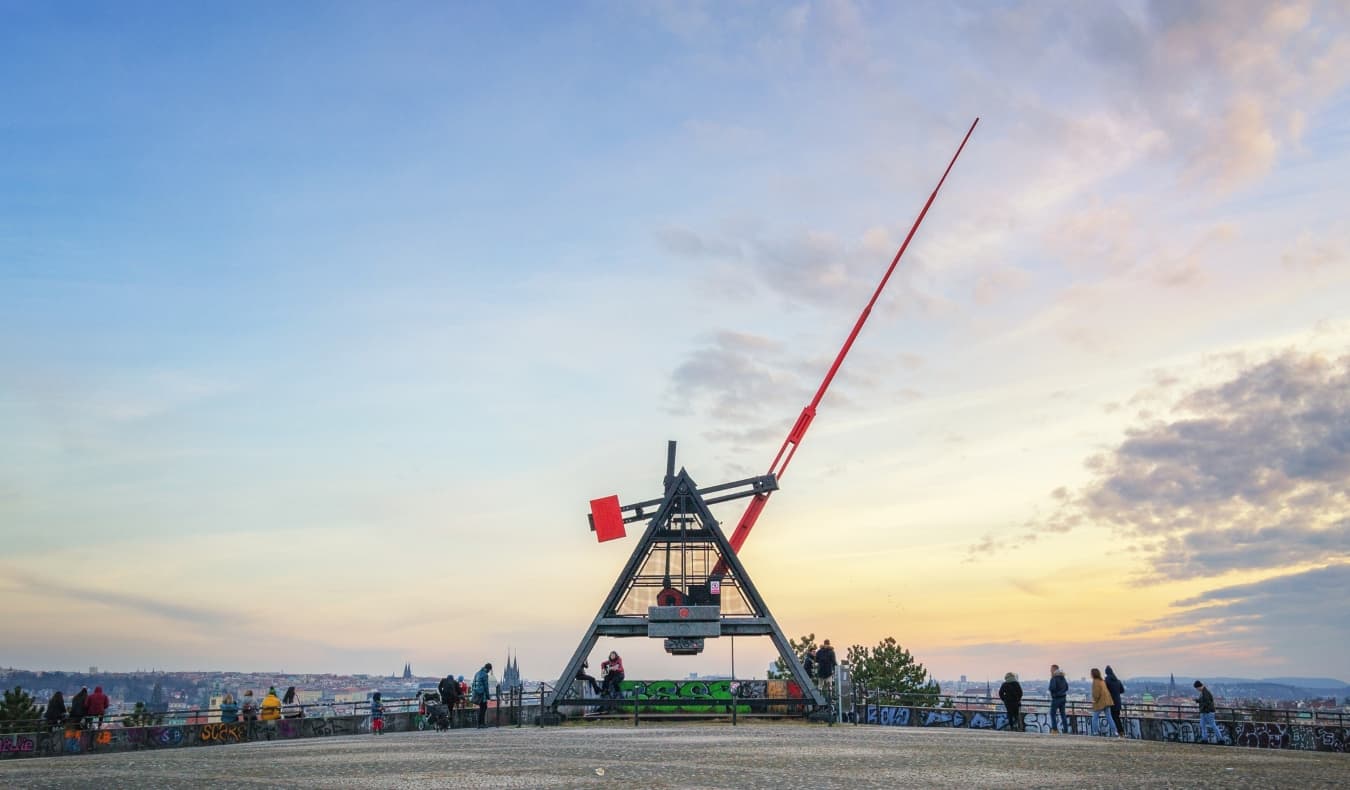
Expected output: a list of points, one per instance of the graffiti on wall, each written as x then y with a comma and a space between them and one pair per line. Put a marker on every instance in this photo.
17, 744
1262, 735
888, 715
758, 695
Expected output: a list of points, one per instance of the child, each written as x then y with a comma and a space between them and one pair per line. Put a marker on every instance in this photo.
376, 714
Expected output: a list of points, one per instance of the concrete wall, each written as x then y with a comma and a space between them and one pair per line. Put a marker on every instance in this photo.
1252, 734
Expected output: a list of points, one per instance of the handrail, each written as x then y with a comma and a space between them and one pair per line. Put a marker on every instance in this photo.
1226, 710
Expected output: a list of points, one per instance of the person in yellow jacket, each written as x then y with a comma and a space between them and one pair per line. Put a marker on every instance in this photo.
1101, 705
271, 706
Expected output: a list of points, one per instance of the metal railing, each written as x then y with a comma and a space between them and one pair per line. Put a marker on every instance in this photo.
1225, 711
146, 718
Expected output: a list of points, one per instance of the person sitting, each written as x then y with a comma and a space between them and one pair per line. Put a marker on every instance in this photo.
229, 710
290, 705
583, 675
612, 670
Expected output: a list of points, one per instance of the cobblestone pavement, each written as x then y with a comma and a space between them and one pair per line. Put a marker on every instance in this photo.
705, 756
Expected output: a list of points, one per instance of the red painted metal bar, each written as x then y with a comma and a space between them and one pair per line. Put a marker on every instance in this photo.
794, 437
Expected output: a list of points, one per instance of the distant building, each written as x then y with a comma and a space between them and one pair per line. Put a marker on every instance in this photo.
407, 671
511, 675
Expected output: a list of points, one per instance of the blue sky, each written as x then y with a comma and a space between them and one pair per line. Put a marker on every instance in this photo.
295, 296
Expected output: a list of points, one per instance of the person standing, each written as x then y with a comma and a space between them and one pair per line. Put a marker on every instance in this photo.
825, 664
1059, 694
248, 709
1011, 694
1101, 704
56, 710
96, 705
77, 710
809, 662
478, 693
448, 689
1117, 690
1207, 722
376, 713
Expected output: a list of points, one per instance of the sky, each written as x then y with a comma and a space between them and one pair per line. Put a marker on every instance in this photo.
320, 324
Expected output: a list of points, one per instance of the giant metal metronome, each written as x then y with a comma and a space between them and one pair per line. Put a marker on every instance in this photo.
684, 582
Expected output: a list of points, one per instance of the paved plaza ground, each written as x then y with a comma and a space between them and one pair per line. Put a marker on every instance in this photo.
720, 756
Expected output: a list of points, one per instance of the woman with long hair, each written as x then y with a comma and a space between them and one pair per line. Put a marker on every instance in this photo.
1101, 704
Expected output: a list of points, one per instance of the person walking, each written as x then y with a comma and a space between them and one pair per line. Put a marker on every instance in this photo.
1101, 704
478, 693
1207, 722
1011, 694
96, 705
1059, 694
1117, 690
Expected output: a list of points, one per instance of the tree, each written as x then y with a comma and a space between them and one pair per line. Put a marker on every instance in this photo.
18, 712
890, 671
779, 670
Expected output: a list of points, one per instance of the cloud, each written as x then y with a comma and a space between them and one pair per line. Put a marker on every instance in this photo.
1249, 473
1225, 86
183, 614
740, 381
1291, 609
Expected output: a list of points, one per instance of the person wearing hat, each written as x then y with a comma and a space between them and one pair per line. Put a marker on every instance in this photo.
479, 693
1011, 694
1207, 722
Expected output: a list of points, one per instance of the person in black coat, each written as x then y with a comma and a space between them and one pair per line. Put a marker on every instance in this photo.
56, 710
1117, 689
1011, 694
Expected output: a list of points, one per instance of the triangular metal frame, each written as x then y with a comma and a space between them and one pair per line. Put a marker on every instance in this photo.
681, 490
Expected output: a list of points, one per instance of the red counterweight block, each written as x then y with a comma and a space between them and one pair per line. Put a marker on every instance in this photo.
608, 519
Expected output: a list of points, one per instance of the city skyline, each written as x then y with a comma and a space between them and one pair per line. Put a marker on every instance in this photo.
321, 324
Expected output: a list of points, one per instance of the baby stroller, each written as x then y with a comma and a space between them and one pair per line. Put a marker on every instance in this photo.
436, 712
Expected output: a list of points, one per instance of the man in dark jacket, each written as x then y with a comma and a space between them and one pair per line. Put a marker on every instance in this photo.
1117, 689
1207, 723
56, 710
1059, 694
825, 664
77, 702
449, 691
1011, 694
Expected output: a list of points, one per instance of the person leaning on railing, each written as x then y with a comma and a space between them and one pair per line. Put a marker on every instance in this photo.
229, 710
56, 710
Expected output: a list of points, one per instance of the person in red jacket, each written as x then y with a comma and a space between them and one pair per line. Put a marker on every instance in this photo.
612, 671
96, 705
